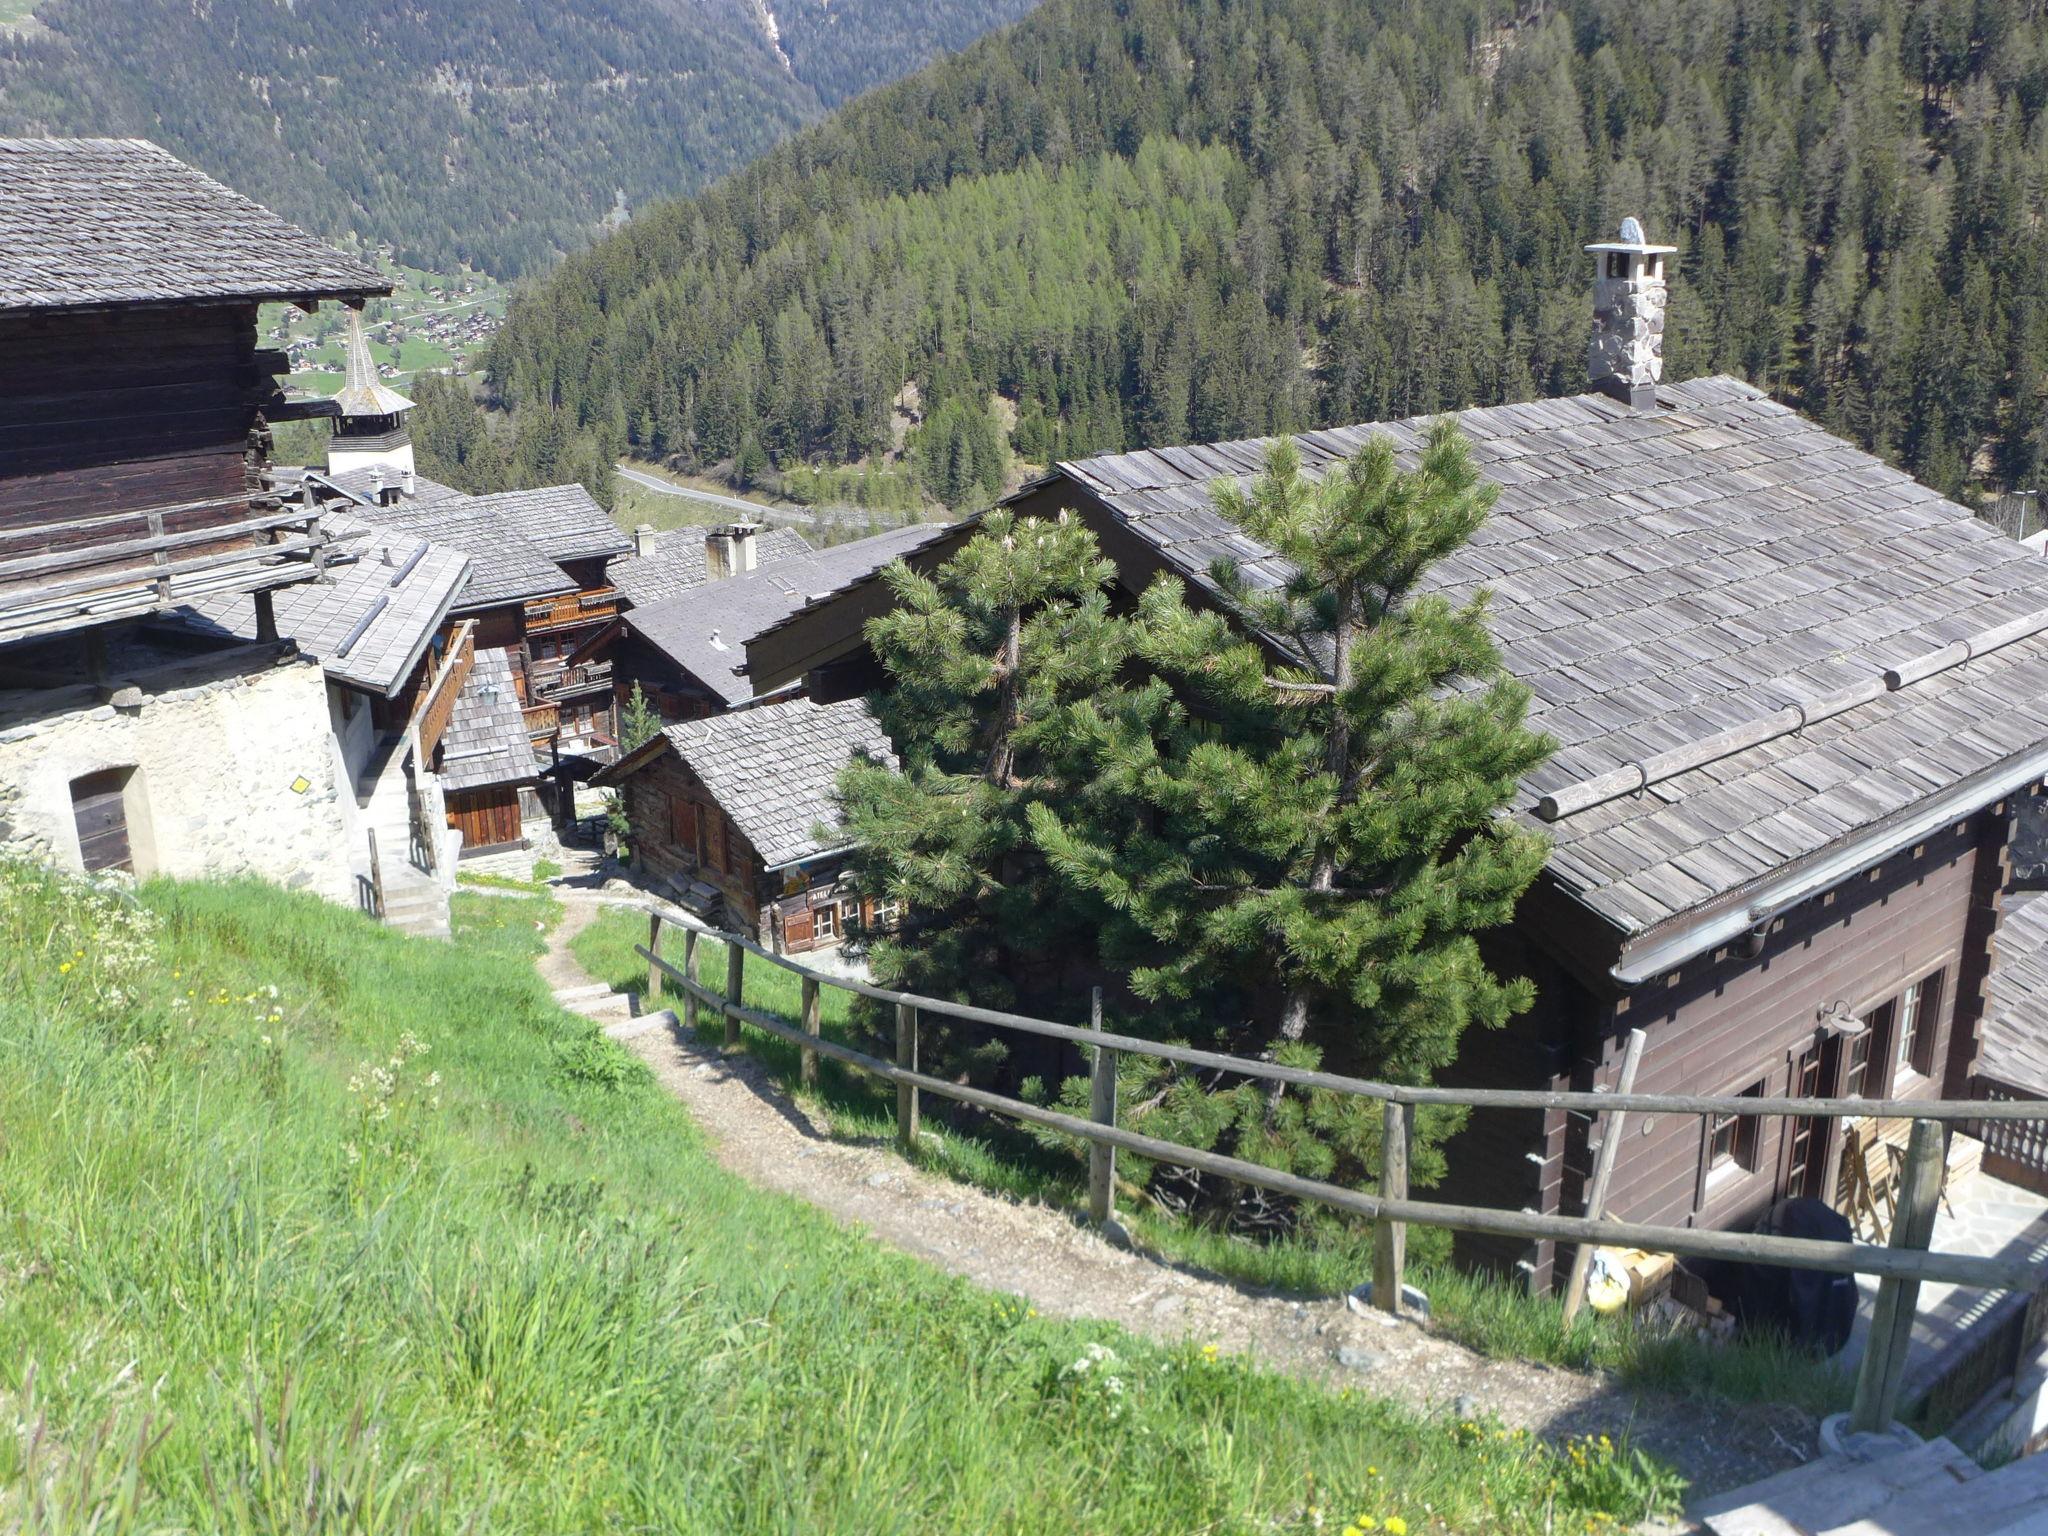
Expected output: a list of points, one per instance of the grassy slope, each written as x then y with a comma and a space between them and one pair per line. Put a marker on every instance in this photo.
1489, 1316
522, 1298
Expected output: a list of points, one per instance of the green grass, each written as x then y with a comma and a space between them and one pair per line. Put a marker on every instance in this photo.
1329, 1258
404, 1248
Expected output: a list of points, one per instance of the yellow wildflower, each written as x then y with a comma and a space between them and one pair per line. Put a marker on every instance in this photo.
64, 967
1396, 1526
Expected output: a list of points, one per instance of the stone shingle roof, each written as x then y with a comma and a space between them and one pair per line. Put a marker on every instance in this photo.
773, 769
507, 567
562, 521
705, 631
675, 563
1661, 576
486, 741
2015, 1037
90, 222
397, 586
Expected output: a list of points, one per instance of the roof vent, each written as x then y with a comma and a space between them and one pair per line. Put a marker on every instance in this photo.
643, 541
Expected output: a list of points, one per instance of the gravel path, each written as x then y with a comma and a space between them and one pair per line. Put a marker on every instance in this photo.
1060, 1266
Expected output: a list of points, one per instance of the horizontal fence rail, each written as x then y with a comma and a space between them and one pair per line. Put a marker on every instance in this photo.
1945, 1110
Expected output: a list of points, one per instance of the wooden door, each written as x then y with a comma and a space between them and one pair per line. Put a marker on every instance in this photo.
100, 809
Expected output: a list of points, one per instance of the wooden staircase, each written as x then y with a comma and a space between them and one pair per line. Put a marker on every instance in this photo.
1883, 1488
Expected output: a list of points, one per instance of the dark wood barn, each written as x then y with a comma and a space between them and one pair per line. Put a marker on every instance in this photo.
733, 815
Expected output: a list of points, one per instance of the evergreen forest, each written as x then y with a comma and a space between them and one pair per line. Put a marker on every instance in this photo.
495, 133
1125, 222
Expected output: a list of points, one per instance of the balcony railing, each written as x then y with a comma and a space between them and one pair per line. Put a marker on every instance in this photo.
550, 681
542, 719
437, 700
571, 608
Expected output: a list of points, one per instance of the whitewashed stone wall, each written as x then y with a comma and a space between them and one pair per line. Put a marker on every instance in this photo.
216, 764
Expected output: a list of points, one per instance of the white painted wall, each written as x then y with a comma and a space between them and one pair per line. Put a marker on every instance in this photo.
213, 792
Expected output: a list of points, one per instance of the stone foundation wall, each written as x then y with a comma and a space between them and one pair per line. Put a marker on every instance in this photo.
219, 750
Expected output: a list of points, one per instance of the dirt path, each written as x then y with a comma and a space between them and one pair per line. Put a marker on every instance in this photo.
1061, 1267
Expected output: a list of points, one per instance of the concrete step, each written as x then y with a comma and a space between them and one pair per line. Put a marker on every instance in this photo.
645, 1024
581, 990
2013, 1492
1836, 1491
613, 1005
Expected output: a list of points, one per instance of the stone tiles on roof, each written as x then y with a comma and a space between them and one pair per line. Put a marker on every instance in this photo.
486, 741
1658, 576
676, 563
705, 631
507, 567
563, 521
773, 769
94, 222
397, 586
2015, 1031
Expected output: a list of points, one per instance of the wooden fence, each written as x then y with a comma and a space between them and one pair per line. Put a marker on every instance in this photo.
2014, 1150
1902, 1265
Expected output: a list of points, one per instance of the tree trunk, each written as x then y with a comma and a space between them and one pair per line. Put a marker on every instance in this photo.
1002, 755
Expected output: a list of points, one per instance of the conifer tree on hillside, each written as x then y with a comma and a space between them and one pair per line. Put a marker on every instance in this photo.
1321, 836
989, 661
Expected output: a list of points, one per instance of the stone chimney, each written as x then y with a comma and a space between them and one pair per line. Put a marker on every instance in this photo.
408, 483
643, 541
1626, 356
718, 553
746, 547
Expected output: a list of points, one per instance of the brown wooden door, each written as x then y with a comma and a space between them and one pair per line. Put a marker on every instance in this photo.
99, 807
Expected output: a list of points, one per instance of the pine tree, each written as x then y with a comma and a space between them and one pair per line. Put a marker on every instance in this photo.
1320, 840
638, 721
989, 660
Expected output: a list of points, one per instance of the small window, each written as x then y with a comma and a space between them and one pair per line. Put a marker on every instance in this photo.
1654, 266
1617, 264
1917, 1009
99, 809
826, 920
1864, 1047
1732, 1138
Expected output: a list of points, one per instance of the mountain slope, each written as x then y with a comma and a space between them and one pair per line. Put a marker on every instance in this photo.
492, 131
1855, 184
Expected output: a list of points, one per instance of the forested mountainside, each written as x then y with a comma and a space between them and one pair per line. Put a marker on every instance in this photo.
493, 132
1159, 220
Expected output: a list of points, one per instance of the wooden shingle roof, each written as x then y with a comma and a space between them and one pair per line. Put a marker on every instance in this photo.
486, 742
372, 619
706, 629
1663, 575
773, 769
87, 223
676, 562
2015, 1049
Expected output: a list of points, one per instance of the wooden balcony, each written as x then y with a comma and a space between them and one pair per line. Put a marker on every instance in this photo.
593, 605
548, 681
436, 705
542, 720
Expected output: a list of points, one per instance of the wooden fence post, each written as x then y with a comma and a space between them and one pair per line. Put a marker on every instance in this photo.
1390, 1237
807, 1059
735, 970
906, 1093
654, 955
690, 970
1603, 1173
1891, 1324
1102, 1109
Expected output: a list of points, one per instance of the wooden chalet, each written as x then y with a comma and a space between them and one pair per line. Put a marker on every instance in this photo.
1797, 697
539, 593
135, 415
732, 814
135, 405
688, 652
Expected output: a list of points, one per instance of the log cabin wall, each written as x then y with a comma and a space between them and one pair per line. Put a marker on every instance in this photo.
1729, 1024
122, 412
487, 818
681, 835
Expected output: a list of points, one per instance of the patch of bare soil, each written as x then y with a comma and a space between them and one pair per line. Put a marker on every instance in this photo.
1060, 1266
